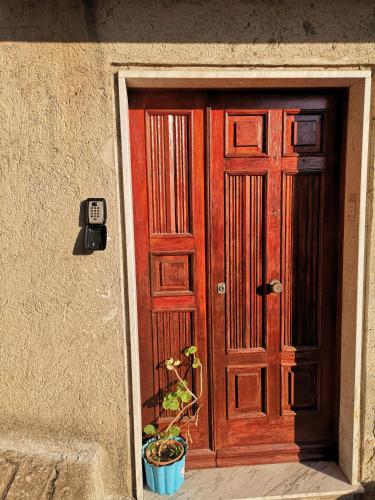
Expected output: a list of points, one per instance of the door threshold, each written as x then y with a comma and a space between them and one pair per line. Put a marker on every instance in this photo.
308, 480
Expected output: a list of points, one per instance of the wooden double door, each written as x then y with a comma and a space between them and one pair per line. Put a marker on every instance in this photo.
236, 210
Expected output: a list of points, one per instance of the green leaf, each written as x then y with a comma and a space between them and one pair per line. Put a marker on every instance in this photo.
149, 429
190, 350
181, 385
196, 363
174, 431
171, 402
181, 388
185, 396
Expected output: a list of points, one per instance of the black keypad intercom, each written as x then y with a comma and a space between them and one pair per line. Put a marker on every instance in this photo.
96, 230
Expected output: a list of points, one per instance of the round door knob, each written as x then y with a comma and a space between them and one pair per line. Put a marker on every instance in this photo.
274, 286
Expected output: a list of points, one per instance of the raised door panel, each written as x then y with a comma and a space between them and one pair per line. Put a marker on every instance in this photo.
244, 245
172, 274
172, 331
169, 158
301, 389
302, 216
304, 132
247, 391
246, 133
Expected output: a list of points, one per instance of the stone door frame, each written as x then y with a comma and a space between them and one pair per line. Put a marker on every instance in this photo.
355, 163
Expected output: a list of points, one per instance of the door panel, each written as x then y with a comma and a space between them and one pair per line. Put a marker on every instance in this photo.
244, 226
169, 171
301, 227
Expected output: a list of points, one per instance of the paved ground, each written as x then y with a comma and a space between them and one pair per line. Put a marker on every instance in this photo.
309, 481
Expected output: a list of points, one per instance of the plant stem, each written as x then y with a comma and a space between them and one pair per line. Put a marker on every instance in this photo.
194, 400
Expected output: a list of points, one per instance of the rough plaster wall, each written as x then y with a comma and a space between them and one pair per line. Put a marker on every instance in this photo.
62, 367
62, 359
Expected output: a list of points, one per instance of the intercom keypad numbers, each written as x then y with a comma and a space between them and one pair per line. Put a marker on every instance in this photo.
96, 212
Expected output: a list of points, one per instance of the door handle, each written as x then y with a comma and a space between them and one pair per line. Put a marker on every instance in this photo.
221, 288
274, 286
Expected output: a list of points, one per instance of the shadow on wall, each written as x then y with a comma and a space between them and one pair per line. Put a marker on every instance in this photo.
369, 487
184, 21
79, 245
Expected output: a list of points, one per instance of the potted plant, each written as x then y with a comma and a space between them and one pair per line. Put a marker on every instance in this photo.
164, 451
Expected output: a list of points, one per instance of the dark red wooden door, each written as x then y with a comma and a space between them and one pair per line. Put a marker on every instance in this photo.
168, 157
232, 191
274, 183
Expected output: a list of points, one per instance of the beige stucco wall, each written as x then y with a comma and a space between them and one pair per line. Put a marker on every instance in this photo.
63, 364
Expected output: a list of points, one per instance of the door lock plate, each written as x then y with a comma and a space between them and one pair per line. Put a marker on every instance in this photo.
221, 288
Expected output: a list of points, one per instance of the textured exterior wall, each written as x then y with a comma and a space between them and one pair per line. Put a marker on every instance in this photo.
62, 357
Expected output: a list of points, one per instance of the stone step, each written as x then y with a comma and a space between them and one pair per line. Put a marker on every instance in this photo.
288, 481
39, 471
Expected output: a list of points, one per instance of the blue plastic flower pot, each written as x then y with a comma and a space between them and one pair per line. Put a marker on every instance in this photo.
165, 479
